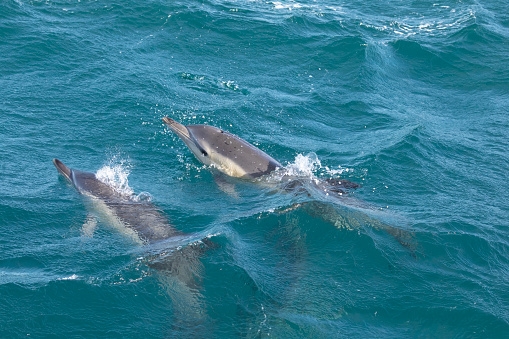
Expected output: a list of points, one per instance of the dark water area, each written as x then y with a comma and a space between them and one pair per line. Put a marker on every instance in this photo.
408, 99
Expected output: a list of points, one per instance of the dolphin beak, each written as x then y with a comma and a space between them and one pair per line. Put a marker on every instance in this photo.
178, 128
64, 170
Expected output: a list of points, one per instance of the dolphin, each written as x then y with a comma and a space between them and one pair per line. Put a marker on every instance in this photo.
179, 266
146, 223
227, 152
236, 157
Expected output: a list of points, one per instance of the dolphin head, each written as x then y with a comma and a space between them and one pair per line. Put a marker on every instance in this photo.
199, 149
227, 152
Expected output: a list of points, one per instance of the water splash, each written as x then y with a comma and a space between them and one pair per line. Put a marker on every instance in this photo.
115, 174
304, 165
310, 166
72, 277
143, 197
212, 84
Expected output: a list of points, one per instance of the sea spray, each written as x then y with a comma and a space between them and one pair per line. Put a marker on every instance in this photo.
115, 174
306, 166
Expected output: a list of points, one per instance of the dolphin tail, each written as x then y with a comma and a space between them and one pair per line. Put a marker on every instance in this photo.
64, 170
177, 127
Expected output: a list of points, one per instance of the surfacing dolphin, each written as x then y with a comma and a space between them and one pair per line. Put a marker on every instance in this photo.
238, 158
227, 152
142, 222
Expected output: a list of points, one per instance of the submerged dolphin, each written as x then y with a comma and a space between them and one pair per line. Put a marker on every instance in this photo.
146, 225
227, 152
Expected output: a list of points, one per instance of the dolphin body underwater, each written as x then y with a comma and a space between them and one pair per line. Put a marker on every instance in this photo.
178, 268
237, 158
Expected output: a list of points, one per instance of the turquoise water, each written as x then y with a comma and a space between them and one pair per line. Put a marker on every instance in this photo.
408, 99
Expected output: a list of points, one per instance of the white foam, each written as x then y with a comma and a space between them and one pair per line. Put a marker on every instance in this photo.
288, 6
116, 174
72, 277
304, 165
310, 166
413, 26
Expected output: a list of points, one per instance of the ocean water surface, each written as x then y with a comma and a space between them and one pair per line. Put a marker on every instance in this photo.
408, 99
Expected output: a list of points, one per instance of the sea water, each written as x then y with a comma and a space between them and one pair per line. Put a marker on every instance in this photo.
410, 100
